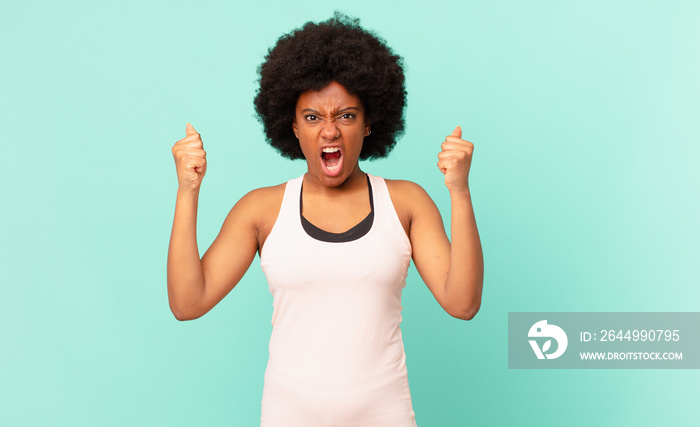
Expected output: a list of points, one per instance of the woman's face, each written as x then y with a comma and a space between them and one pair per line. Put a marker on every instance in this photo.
330, 125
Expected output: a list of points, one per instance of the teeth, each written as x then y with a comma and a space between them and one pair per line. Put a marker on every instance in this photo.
330, 149
332, 168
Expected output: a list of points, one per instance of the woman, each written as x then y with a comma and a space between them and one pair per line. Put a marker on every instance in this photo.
335, 243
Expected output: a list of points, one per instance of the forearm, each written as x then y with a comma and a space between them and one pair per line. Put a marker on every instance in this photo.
464, 281
185, 276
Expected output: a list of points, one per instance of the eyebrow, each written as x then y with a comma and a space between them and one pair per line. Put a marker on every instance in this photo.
311, 110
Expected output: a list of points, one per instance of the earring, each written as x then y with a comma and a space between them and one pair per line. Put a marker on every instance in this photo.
369, 132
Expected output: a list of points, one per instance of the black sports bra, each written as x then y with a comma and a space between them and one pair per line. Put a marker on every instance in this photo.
354, 233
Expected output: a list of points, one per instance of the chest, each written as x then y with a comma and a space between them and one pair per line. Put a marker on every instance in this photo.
335, 215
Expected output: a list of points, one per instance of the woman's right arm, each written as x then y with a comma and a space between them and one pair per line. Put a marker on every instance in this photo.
195, 286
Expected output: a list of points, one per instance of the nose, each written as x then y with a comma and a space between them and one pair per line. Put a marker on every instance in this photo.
329, 130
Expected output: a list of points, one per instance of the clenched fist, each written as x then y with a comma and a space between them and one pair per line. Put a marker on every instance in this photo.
455, 160
190, 160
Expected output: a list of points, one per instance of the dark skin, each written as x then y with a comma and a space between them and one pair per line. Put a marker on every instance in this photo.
335, 199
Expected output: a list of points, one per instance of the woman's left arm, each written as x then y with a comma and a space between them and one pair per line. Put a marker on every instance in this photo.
454, 272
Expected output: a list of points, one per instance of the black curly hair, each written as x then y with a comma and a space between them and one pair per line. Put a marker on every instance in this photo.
310, 58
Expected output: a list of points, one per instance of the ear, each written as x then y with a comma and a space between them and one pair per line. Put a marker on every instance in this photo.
294, 127
367, 127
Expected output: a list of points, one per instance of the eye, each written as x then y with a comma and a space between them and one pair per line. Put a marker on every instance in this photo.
347, 116
310, 117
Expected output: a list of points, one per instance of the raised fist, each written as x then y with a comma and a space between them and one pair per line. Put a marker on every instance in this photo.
190, 160
455, 160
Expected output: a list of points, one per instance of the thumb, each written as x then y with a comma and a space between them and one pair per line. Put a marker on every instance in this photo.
457, 132
190, 130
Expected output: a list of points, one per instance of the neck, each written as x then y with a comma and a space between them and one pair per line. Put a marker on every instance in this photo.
355, 180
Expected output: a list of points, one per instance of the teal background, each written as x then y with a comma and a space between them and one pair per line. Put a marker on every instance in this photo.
585, 178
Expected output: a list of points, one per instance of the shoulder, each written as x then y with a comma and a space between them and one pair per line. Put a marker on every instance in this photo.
260, 208
409, 200
261, 203
403, 191
263, 197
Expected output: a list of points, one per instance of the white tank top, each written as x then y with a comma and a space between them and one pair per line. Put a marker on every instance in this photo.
336, 351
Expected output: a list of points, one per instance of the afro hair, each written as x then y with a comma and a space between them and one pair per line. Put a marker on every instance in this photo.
310, 58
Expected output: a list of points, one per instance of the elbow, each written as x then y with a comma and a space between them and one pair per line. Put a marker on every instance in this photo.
466, 312
184, 307
462, 298
465, 315
466, 307
183, 314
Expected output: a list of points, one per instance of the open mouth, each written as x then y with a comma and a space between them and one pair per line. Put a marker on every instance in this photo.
331, 157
